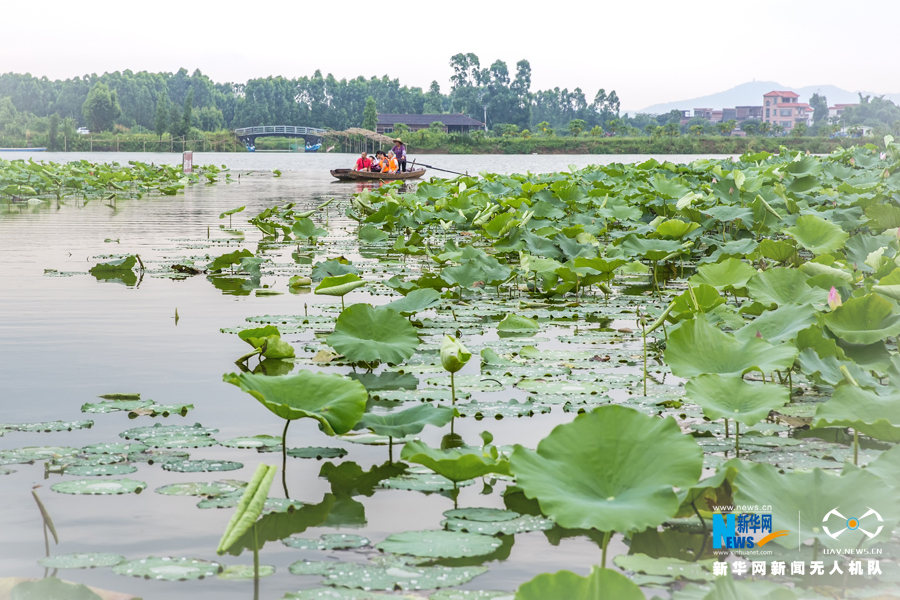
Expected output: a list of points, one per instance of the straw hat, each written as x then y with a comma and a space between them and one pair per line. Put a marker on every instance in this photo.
398, 140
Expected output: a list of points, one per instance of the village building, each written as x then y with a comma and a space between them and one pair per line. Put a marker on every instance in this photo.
451, 123
782, 108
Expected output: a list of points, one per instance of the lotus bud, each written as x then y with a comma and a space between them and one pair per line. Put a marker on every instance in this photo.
454, 355
758, 334
883, 156
898, 233
834, 299
714, 180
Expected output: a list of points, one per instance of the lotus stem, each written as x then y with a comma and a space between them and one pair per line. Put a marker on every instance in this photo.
737, 439
284, 458
391, 449
702, 521
855, 448
453, 390
606, 536
256, 563
644, 336
726, 428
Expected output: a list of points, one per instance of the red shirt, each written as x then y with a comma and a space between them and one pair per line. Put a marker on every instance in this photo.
363, 163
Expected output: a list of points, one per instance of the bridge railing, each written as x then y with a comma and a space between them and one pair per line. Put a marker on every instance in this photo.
278, 129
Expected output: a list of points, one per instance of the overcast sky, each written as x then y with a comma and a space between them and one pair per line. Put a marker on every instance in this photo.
648, 51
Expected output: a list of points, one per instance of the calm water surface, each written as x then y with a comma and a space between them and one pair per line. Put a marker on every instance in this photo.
66, 340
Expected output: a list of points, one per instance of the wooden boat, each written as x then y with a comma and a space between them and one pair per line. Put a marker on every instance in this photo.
351, 175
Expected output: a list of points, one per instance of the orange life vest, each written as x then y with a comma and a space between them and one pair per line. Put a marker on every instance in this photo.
389, 166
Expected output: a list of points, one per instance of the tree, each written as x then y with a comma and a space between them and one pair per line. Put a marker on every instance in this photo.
765, 127
436, 127
672, 129
726, 127
101, 108
401, 128
750, 126
188, 114
696, 129
370, 115
576, 126
54, 131
819, 104
614, 125
175, 121
596, 131
799, 130
434, 101
527, 134
650, 129
778, 129
544, 128
162, 115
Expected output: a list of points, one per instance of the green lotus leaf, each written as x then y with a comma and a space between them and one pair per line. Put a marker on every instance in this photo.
270, 337
327, 541
702, 298
406, 422
305, 228
331, 593
486, 515
817, 235
666, 566
209, 490
863, 320
439, 544
697, 347
232, 211
158, 429
47, 426
339, 286
415, 301
811, 496
99, 470
520, 524
886, 466
827, 370
51, 588
243, 572
80, 561
168, 569
298, 281
780, 325
257, 441
101, 487
778, 251
336, 402
600, 584
883, 216
370, 234
454, 355
114, 266
723, 397
201, 466
821, 274
229, 259
334, 267
400, 576
675, 229
249, 507
517, 324
782, 286
877, 416
633, 245
457, 464
373, 335
284, 522
611, 469
597, 266
729, 274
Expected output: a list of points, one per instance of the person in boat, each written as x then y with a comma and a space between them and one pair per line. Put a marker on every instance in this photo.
399, 151
363, 163
390, 165
378, 163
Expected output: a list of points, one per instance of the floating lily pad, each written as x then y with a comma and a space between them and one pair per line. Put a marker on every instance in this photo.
311, 452
114, 406
485, 515
99, 488
318, 567
439, 544
99, 470
257, 441
371, 439
158, 429
240, 572
168, 569
216, 488
328, 541
560, 386
422, 482
180, 441
521, 524
402, 577
48, 426
113, 448
473, 383
6, 471
422, 394
471, 595
33, 453
498, 410
200, 466
81, 561
672, 567
121, 396
151, 456
161, 410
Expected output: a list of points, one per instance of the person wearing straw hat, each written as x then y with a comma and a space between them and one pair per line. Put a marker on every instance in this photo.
399, 151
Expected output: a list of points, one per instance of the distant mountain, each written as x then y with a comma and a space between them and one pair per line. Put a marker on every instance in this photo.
751, 94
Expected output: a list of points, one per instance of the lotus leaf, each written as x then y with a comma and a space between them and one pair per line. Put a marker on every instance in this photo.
439, 544
99, 470
313, 452
339, 286
423, 482
114, 266
305, 228
601, 583
407, 422
229, 259
47, 427
179, 441
500, 409
210, 490
336, 402
94, 487
863, 320
327, 541
671, 567
611, 469
416, 301
51, 588
780, 325
268, 337
733, 398
201, 466
240, 572
521, 524
697, 347
108, 407
158, 429
729, 274
168, 569
80, 561
817, 235
877, 416
886, 466
781, 286
373, 335
401, 577
457, 464
811, 496
257, 441
518, 324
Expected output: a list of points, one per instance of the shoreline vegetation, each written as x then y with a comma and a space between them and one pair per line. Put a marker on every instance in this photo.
224, 141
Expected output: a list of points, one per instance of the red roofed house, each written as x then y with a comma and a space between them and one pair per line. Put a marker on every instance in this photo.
781, 108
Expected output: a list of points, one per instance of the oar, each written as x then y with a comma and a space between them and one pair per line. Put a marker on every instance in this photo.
438, 169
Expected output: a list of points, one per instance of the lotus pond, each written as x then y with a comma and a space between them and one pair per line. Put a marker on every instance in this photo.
506, 386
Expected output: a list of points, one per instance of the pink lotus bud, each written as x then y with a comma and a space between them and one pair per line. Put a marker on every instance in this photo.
883, 156
834, 299
852, 162
758, 334
731, 190
714, 180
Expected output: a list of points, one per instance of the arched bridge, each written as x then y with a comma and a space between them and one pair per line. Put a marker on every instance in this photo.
312, 135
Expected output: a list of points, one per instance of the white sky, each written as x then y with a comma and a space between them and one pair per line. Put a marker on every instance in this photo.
649, 51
